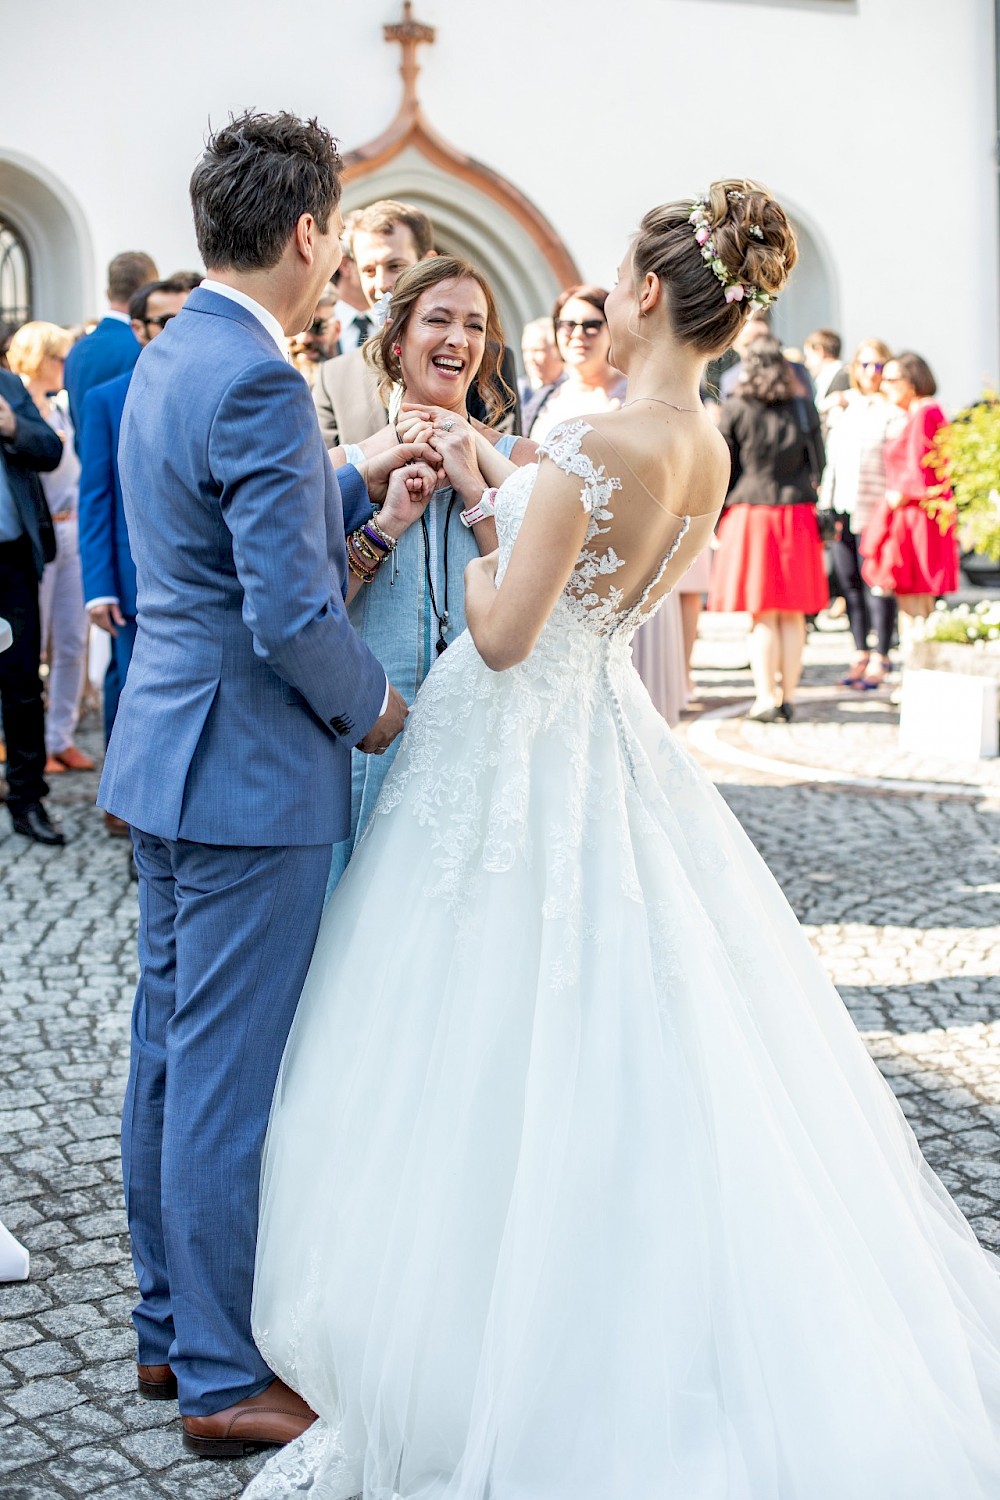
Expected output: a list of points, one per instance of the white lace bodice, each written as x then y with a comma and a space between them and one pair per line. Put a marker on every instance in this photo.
584, 600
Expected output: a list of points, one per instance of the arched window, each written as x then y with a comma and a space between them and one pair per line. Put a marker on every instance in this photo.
15, 277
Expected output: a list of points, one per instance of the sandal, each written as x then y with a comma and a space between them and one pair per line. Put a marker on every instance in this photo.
854, 677
878, 670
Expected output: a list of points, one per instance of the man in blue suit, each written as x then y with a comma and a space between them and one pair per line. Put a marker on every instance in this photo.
112, 348
230, 755
105, 552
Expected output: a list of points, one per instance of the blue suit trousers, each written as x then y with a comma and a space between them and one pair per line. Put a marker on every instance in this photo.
225, 939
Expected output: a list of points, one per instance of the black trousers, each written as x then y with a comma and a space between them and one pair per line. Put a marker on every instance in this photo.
864, 610
20, 685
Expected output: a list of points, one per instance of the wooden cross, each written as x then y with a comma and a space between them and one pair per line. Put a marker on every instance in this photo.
409, 34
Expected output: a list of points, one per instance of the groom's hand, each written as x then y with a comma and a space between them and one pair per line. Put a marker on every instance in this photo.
385, 729
375, 471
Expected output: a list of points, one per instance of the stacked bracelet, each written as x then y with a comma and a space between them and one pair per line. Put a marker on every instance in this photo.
367, 549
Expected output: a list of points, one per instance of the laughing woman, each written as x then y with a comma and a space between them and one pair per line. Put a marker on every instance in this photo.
441, 337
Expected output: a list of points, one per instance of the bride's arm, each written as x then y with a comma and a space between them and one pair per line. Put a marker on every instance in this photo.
506, 622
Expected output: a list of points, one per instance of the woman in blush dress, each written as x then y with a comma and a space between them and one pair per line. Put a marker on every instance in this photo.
907, 551
579, 1182
770, 558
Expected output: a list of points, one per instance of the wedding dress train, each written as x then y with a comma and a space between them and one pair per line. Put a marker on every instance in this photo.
579, 1182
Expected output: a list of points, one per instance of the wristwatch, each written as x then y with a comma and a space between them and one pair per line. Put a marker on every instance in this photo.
481, 512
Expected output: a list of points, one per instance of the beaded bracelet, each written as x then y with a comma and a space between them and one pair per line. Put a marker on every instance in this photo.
362, 559
373, 530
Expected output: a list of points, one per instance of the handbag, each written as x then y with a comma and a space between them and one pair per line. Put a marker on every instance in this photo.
829, 524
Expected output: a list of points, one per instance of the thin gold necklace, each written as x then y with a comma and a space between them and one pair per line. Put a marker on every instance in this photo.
693, 410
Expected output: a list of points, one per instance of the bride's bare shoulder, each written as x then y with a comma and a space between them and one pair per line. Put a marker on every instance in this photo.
683, 461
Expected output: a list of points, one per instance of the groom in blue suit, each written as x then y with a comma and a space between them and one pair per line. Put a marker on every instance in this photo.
230, 754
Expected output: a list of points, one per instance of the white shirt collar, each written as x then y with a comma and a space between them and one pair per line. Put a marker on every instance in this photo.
119, 317
265, 318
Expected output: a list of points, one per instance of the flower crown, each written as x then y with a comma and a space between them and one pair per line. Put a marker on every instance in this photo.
736, 291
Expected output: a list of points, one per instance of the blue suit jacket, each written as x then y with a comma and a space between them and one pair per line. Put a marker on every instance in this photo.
247, 686
110, 350
105, 554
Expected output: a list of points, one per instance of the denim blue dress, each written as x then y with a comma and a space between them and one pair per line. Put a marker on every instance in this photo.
400, 618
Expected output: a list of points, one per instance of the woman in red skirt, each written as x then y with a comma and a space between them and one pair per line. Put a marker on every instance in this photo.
906, 552
770, 557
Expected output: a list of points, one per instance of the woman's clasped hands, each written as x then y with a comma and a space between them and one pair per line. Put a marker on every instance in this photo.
451, 436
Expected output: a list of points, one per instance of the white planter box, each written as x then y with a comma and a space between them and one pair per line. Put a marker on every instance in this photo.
950, 714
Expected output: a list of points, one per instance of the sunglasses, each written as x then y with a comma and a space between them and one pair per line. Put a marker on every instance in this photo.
590, 329
160, 323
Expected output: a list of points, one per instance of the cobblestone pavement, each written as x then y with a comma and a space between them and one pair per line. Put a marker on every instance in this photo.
900, 892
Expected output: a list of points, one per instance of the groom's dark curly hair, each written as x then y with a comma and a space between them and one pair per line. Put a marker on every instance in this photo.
258, 175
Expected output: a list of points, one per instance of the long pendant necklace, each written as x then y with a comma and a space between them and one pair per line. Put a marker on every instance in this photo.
442, 619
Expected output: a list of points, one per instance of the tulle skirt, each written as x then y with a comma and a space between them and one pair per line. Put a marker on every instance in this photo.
906, 552
769, 557
580, 1183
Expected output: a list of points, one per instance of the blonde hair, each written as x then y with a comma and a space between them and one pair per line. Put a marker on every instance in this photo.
380, 350
33, 342
880, 347
754, 244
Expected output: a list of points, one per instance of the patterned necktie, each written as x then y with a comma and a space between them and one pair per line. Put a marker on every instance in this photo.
364, 326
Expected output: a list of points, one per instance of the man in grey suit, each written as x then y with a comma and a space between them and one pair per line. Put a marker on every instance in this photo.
230, 755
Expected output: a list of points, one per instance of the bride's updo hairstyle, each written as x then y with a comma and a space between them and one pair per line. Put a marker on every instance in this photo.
718, 257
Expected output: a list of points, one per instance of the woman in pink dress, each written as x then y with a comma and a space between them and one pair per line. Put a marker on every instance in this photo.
906, 551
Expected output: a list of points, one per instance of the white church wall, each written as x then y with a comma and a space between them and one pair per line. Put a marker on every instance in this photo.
874, 120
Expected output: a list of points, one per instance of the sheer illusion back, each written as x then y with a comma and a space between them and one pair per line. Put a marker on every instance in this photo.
636, 549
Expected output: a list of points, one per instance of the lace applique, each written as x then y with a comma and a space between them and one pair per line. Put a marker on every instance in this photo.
465, 768
563, 447
638, 614
314, 1462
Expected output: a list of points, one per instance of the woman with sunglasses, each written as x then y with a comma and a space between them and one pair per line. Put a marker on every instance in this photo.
853, 485
907, 553
590, 383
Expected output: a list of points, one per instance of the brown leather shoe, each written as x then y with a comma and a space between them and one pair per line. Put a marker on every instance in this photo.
73, 759
156, 1382
117, 827
54, 767
275, 1417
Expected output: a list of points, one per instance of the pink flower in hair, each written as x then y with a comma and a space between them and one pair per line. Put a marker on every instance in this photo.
734, 293
703, 233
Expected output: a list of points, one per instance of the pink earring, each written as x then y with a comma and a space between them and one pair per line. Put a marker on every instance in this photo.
397, 349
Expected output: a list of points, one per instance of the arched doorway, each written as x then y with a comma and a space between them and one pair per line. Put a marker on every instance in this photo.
53, 236
811, 298
15, 277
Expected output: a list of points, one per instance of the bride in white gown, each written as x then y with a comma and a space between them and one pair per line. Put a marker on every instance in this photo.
579, 1182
